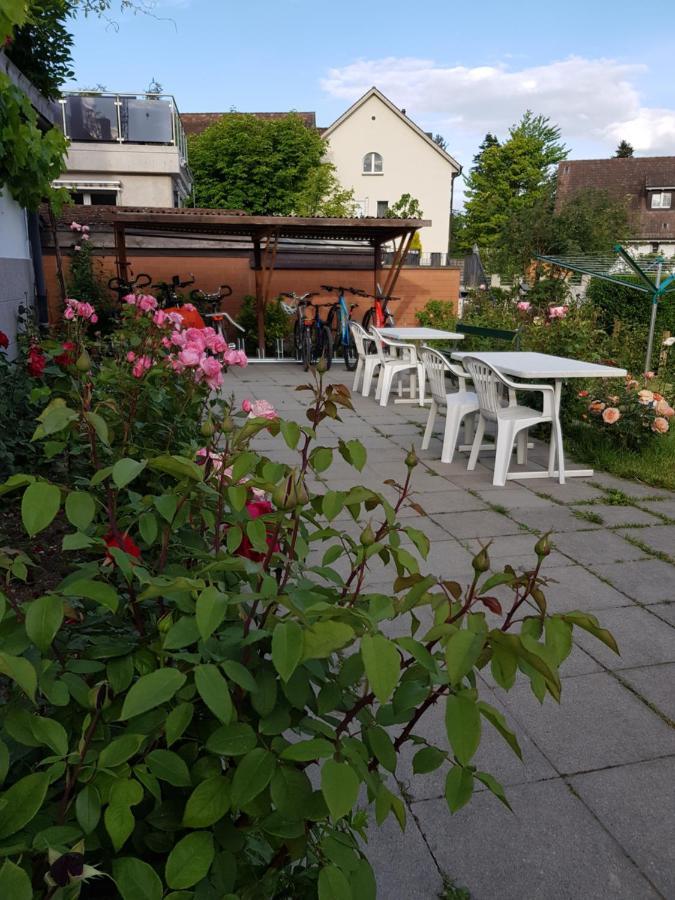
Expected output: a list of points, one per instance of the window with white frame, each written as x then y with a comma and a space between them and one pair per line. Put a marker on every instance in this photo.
372, 164
661, 200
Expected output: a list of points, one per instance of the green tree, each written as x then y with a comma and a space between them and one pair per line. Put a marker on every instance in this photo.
41, 47
624, 150
323, 195
440, 141
406, 207
509, 177
260, 166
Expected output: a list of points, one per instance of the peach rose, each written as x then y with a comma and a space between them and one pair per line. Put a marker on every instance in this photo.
582, 394
611, 415
631, 383
663, 408
597, 406
645, 397
650, 375
657, 396
660, 425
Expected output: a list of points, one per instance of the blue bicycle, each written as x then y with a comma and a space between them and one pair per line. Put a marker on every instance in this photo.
339, 317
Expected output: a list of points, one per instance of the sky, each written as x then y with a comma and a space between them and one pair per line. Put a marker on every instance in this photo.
603, 71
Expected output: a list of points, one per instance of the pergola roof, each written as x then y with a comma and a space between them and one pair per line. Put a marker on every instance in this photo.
228, 222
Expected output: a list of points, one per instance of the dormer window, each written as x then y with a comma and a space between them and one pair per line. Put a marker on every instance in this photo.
661, 200
372, 164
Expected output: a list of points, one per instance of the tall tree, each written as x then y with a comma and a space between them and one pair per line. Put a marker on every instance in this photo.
406, 207
260, 166
41, 47
624, 150
323, 195
440, 141
511, 176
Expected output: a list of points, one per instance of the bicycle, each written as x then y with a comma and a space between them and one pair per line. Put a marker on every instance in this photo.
339, 317
123, 286
313, 338
167, 293
378, 314
218, 316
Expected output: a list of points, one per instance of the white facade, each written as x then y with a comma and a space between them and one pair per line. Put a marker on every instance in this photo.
381, 154
16, 266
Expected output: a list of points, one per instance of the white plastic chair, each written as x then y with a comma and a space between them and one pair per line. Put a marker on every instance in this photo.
512, 420
367, 362
393, 366
458, 405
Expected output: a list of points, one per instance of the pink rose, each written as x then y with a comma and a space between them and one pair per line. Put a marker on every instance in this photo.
558, 312
130, 299
178, 338
160, 318
93, 319
131, 356
235, 358
246, 406
212, 371
69, 313
611, 415
85, 237
660, 425
85, 228
523, 305
650, 375
74, 226
166, 343
262, 409
176, 319
190, 356
196, 338
77, 247
147, 303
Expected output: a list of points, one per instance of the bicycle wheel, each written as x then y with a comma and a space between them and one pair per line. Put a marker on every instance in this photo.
349, 352
306, 348
324, 346
367, 319
297, 339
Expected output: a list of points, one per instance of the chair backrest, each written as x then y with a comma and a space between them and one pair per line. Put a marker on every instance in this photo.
488, 384
376, 338
500, 334
360, 336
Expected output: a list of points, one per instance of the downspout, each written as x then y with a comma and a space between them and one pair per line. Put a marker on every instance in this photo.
452, 200
38, 269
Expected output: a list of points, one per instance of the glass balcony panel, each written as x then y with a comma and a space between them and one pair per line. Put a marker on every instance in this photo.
91, 118
147, 121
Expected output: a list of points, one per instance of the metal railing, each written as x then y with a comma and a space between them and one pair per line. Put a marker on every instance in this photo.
415, 258
104, 117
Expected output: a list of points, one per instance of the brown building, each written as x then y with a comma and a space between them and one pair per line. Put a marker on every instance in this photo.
648, 182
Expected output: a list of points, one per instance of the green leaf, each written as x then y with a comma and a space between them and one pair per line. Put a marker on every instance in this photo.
287, 648
21, 802
125, 470
39, 505
57, 419
170, 767
333, 884
43, 619
120, 750
332, 504
136, 880
190, 860
493, 785
590, 624
252, 776
166, 506
305, 751
382, 662
80, 509
178, 466
462, 723
504, 666
50, 733
461, 653
14, 882
99, 425
88, 808
458, 787
232, 740
238, 673
119, 823
177, 721
362, 881
210, 611
340, 787
182, 633
237, 494
76, 541
4, 761
495, 580
213, 690
354, 453
428, 759
496, 719
321, 458
99, 591
291, 433
322, 638
21, 671
147, 525
152, 690
208, 803
382, 747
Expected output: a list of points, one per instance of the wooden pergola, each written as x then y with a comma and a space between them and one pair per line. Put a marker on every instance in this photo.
263, 235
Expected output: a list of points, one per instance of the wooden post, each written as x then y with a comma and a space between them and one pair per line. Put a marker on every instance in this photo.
121, 252
399, 259
377, 250
57, 254
259, 296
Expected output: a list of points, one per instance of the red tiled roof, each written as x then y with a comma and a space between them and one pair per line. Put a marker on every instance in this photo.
195, 123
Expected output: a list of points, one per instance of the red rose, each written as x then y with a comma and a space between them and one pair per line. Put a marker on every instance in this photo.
4, 340
121, 542
36, 362
67, 358
256, 508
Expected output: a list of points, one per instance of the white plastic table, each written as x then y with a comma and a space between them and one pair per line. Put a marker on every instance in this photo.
418, 336
542, 366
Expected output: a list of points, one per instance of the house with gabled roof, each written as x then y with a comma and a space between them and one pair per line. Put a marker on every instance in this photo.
381, 154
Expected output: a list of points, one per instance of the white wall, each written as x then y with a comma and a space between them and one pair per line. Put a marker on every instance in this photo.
411, 166
16, 267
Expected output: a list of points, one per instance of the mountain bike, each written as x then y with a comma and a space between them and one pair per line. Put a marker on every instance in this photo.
167, 293
312, 337
378, 314
210, 307
123, 286
339, 317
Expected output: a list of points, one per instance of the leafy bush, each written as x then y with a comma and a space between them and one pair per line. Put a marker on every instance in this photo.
211, 699
20, 403
277, 323
626, 305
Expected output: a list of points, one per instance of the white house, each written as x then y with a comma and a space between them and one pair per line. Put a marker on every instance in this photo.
381, 154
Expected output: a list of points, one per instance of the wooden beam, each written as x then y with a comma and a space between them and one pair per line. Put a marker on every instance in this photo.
121, 251
397, 263
259, 295
57, 253
377, 251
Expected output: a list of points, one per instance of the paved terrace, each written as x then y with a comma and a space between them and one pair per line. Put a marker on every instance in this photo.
594, 801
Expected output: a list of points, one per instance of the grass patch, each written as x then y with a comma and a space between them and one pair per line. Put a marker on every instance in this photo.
654, 464
650, 551
588, 516
452, 892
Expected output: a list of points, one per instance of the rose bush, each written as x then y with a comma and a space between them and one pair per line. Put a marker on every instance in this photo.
213, 702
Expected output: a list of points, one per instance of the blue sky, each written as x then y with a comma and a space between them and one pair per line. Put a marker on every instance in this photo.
602, 70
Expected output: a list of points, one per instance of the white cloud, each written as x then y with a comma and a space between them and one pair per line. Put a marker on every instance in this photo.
595, 101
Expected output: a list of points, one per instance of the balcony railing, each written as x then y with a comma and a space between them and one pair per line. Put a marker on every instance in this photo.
122, 119
415, 258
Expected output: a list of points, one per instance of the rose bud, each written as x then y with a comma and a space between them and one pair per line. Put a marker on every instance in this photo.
285, 495
543, 546
481, 561
367, 536
83, 363
208, 428
411, 459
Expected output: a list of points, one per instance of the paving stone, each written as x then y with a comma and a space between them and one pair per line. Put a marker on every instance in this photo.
655, 684
630, 488
660, 507
484, 524
643, 639
404, 867
660, 538
604, 547
598, 723
576, 588
550, 848
450, 500
647, 580
616, 516
514, 497
665, 611
518, 549
555, 519
637, 806
574, 490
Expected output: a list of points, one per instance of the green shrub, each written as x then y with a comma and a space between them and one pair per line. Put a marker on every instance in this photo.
277, 323
617, 303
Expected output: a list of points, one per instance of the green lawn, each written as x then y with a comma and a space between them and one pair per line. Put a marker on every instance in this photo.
654, 465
